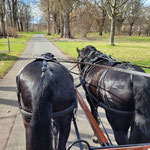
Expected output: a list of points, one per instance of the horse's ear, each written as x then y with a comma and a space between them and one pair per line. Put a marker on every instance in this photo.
78, 51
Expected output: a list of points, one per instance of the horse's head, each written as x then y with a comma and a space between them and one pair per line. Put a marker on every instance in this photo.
86, 55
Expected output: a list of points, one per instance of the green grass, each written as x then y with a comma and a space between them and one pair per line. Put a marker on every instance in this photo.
7, 59
133, 49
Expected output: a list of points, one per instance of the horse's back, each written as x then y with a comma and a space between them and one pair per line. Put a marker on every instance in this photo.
31, 74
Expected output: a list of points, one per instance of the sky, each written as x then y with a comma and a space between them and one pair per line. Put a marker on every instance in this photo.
35, 11
147, 2
37, 14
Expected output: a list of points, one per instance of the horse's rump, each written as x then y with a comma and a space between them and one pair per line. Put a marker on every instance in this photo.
46, 88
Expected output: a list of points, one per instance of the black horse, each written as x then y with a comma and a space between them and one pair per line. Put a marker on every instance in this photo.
46, 94
125, 97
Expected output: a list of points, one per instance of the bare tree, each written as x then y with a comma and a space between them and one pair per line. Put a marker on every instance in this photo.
2, 16
147, 20
100, 14
114, 9
66, 7
14, 13
21, 15
62, 10
55, 17
135, 12
48, 17
9, 7
85, 20
45, 7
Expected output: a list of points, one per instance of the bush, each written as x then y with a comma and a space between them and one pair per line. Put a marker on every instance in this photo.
12, 32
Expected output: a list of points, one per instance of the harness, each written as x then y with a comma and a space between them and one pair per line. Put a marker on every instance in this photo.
105, 105
54, 114
48, 58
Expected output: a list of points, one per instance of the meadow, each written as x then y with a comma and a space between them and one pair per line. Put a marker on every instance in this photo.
134, 49
17, 45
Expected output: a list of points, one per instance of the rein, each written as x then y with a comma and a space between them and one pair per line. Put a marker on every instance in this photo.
108, 67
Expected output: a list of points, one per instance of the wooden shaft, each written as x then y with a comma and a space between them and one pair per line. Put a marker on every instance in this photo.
143, 147
101, 137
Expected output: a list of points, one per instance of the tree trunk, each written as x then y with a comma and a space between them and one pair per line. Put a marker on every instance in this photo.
62, 26
14, 11
21, 25
2, 16
102, 23
67, 33
130, 29
18, 26
147, 30
56, 27
48, 27
112, 32
10, 14
139, 30
48, 19
3, 26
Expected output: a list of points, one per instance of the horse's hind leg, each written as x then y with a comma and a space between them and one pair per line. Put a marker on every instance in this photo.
27, 139
120, 126
93, 109
64, 130
55, 134
121, 137
26, 121
95, 115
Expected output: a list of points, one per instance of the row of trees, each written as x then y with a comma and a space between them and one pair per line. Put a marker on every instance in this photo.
70, 17
14, 14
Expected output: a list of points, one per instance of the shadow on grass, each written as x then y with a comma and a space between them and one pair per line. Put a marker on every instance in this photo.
7, 57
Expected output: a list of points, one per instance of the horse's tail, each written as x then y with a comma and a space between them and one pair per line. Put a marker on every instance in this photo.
44, 93
140, 129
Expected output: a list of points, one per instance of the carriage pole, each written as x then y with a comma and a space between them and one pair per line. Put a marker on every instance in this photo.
101, 137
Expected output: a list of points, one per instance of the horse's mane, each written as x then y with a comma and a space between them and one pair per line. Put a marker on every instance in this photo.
91, 48
99, 56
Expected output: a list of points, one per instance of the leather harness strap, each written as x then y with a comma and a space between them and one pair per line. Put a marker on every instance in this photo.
54, 114
46, 59
101, 104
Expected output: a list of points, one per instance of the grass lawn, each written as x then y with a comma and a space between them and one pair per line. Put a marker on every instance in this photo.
133, 49
17, 45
